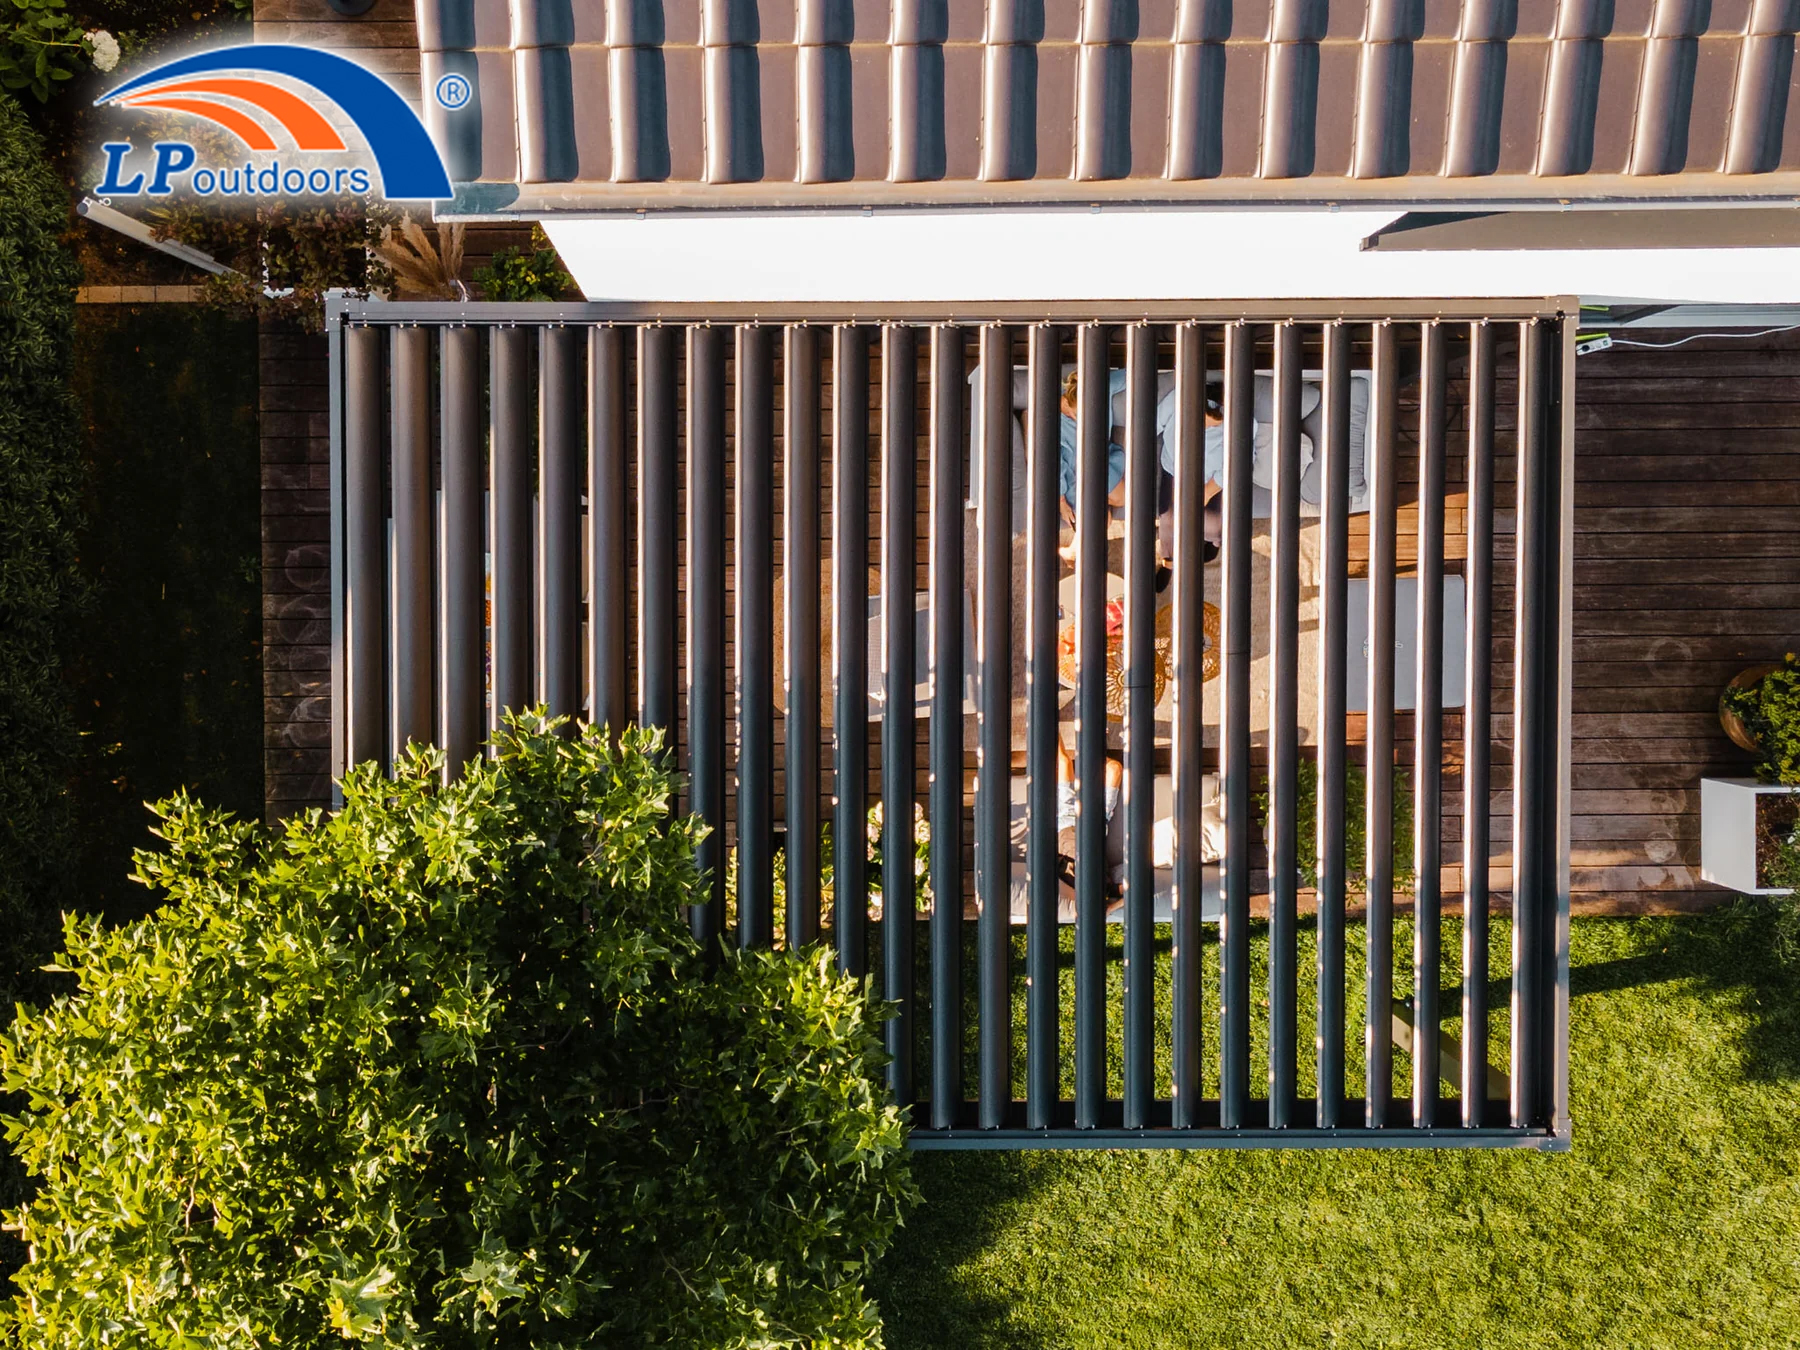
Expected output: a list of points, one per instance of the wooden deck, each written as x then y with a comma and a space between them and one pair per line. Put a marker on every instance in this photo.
1687, 559
1687, 523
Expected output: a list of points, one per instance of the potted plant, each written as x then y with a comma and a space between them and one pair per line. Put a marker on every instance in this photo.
1750, 827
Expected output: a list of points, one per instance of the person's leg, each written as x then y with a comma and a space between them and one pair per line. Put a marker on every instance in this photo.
1115, 785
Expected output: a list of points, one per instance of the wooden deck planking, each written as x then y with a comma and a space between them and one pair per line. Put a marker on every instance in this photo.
1687, 498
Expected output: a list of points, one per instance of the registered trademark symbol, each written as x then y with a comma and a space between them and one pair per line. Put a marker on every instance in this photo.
454, 91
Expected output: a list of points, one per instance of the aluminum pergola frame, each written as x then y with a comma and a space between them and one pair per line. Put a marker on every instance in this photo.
481, 454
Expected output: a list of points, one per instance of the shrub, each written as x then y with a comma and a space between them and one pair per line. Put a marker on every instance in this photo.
44, 45
447, 1068
1356, 796
515, 274
285, 257
39, 586
41, 46
1770, 709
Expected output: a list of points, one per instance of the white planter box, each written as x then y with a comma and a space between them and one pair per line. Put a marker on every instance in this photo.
1728, 831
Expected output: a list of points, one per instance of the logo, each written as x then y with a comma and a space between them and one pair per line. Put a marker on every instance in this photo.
454, 91
231, 88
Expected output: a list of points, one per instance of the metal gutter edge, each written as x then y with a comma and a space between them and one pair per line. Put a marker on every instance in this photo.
1614, 191
972, 312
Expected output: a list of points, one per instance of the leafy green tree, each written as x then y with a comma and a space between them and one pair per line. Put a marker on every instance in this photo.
447, 1069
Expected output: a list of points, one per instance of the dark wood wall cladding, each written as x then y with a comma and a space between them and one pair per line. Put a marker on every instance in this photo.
1687, 569
385, 39
296, 541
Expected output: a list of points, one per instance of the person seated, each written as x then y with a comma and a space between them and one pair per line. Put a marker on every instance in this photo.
1068, 793
1262, 437
1115, 441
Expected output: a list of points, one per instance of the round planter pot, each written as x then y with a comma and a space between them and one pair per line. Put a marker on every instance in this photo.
1733, 724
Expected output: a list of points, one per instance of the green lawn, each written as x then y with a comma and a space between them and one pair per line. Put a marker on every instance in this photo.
1675, 1221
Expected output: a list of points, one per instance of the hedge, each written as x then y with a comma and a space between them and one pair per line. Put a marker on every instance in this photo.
39, 584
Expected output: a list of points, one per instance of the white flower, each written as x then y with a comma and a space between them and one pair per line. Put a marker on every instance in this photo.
106, 48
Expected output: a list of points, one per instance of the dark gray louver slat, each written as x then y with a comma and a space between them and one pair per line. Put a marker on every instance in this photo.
755, 492
509, 518
1428, 732
409, 406
560, 362
462, 629
946, 665
1378, 743
993, 667
608, 702
706, 590
800, 627
899, 567
656, 556
1334, 551
850, 643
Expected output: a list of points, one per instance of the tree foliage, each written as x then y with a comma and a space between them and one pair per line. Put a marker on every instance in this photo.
447, 1068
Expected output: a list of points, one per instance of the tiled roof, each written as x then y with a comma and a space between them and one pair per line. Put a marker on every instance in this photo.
627, 104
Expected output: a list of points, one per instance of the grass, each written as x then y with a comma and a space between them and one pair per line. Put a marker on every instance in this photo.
1675, 1221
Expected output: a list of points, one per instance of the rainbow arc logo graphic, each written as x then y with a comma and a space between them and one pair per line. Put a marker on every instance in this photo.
230, 87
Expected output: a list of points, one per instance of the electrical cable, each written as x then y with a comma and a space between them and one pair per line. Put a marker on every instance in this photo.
1660, 346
